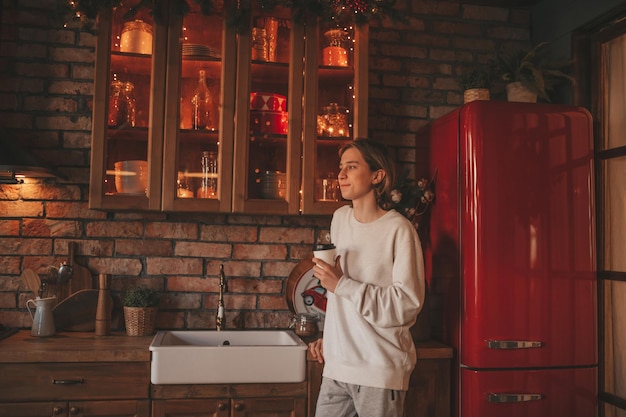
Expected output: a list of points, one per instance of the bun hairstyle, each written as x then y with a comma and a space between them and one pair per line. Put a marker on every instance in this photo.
377, 156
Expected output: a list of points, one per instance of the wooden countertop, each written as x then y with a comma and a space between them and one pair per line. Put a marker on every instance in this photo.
74, 347
118, 347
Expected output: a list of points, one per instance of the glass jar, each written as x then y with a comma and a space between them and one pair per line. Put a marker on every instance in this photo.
260, 51
306, 324
208, 182
335, 54
333, 121
122, 104
136, 38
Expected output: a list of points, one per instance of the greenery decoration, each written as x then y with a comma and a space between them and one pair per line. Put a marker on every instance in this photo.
358, 11
476, 78
141, 297
533, 70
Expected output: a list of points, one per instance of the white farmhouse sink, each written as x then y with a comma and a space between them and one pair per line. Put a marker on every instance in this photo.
227, 356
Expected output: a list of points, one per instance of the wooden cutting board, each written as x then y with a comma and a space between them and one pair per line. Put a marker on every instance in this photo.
32, 281
81, 277
77, 313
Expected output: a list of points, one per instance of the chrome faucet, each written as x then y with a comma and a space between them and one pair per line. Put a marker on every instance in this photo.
220, 319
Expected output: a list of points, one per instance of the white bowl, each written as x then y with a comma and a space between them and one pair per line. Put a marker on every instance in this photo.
131, 177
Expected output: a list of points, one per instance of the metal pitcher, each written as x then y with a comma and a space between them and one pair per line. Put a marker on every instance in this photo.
43, 320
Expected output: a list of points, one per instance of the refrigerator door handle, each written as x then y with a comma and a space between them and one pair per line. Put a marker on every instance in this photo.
513, 344
512, 398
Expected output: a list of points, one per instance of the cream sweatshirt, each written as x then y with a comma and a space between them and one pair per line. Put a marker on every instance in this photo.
366, 329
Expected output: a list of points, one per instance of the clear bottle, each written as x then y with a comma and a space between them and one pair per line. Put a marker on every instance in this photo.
121, 104
208, 182
201, 104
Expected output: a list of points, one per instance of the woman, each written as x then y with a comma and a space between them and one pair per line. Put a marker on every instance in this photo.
375, 291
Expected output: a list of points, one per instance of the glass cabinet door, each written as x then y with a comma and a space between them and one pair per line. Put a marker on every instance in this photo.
124, 134
335, 108
269, 124
199, 98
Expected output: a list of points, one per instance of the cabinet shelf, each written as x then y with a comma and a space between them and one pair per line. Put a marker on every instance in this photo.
128, 63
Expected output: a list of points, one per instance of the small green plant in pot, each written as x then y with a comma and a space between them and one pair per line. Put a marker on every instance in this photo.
533, 71
475, 84
140, 310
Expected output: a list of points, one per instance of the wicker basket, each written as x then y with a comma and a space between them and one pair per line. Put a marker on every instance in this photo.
518, 92
140, 321
474, 94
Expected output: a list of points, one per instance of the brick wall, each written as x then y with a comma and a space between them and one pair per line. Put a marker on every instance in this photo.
46, 87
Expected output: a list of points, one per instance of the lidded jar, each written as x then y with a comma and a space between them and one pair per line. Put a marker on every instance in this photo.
122, 104
335, 54
333, 121
305, 324
136, 37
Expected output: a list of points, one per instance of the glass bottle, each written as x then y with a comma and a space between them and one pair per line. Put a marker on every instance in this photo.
201, 104
208, 181
121, 104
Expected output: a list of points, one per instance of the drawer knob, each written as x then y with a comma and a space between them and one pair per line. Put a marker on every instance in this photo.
74, 410
56, 411
239, 407
221, 406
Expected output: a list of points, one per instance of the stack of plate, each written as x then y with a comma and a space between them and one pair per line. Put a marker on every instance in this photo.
194, 49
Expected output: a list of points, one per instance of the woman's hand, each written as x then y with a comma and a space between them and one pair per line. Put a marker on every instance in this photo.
328, 274
317, 350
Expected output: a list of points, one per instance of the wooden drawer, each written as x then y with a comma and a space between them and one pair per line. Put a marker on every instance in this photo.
74, 381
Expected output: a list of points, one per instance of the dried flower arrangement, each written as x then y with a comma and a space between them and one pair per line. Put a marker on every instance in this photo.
412, 198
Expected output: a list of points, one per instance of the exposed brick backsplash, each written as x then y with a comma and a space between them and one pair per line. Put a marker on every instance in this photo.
46, 87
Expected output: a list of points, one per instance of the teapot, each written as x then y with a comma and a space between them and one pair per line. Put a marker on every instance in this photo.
43, 320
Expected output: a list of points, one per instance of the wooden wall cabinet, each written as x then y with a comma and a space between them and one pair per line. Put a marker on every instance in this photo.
271, 86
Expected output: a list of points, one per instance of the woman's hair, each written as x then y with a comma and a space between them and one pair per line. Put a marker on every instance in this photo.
376, 155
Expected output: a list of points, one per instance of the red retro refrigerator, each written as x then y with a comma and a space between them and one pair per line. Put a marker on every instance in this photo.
513, 257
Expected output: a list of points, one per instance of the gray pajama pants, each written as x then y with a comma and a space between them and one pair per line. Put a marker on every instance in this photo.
338, 399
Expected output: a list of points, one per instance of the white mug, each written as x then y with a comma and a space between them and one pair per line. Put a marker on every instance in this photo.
326, 252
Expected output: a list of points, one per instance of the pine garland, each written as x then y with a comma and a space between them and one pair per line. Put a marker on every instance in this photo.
358, 11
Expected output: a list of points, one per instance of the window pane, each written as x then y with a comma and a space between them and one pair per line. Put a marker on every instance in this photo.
611, 411
614, 171
614, 123
615, 338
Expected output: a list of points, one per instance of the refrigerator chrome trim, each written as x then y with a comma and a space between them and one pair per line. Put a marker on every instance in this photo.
513, 344
493, 397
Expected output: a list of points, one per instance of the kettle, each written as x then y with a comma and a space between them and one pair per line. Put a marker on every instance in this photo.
43, 321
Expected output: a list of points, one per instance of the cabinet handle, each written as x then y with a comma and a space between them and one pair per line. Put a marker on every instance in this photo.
74, 410
512, 398
239, 407
221, 406
68, 381
56, 411
513, 344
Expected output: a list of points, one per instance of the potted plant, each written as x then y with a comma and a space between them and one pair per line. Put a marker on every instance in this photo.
475, 84
529, 75
140, 310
